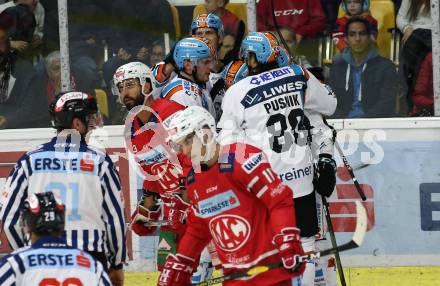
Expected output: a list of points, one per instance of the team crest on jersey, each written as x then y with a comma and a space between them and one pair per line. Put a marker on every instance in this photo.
187, 87
226, 162
253, 162
230, 232
217, 204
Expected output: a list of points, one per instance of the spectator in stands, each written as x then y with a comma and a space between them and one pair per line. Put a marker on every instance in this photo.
49, 80
305, 17
38, 10
21, 24
134, 28
290, 39
232, 25
353, 8
85, 38
414, 21
365, 83
19, 93
157, 53
423, 96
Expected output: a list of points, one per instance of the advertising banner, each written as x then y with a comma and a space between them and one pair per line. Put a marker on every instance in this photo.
396, 163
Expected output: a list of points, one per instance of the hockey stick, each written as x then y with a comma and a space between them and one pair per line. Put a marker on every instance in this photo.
350, 171
361, 166
356, 241
277, 28
155, 223
333, 241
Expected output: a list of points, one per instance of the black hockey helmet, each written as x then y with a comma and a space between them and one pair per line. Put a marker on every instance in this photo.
69, 105
43, 214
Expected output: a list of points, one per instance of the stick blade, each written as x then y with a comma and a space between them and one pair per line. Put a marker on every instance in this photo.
361, 224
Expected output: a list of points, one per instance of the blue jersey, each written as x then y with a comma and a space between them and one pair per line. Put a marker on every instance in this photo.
49, 261
88, 184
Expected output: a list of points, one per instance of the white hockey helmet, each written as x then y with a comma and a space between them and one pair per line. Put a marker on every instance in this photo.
133, 70
191, 119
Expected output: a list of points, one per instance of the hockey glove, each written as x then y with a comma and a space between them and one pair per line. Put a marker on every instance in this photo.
141, 217
178, 210
325, 184
289, 246
177, 271
169, 58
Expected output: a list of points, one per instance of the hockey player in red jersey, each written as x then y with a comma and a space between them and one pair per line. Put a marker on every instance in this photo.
145, 139
162, 170
237, 201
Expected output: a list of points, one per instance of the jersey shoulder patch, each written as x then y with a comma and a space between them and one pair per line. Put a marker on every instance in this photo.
253, 162
226, 162
172, 88
298, 70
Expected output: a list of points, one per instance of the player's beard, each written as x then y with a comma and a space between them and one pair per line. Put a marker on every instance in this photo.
130, 102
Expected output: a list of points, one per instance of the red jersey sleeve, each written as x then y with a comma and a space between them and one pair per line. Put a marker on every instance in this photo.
254, 173
196, 237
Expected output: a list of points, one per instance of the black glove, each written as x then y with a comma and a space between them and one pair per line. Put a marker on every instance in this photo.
325, 184
169, 58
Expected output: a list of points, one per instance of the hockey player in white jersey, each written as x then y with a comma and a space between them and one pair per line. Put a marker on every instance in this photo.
84, 177
49, 260
194, 58
268, 109
208, 26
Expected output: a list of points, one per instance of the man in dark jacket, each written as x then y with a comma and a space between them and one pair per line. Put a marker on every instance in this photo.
365, 83
20, 99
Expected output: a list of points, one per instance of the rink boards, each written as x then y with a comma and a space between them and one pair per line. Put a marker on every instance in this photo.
395, 160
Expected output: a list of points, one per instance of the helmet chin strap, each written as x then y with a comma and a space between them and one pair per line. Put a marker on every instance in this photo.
209, 146
146, 97
210, 149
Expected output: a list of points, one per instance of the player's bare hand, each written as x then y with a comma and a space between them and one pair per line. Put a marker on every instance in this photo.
407, 34
19, 45
116, 276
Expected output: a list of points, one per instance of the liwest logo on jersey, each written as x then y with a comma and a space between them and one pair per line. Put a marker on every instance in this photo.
253, 162
288, 89
217, 204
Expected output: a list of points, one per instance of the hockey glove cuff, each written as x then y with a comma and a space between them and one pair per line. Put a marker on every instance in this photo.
177, 271
178, 210
325, 184
289, 246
